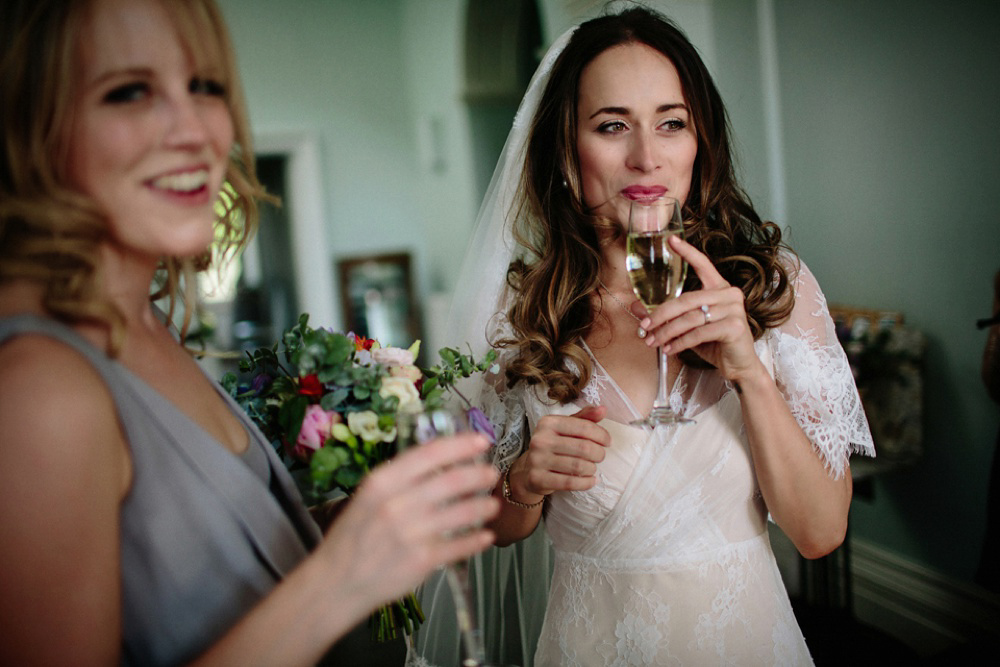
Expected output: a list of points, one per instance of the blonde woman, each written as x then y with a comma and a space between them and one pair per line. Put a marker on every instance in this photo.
145, 520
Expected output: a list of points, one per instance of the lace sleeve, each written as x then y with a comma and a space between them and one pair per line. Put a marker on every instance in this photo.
505, 410
813, 374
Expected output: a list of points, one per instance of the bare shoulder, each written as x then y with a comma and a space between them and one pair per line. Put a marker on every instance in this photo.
64, 472
56, 409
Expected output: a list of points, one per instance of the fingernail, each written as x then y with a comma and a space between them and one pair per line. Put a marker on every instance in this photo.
645, 323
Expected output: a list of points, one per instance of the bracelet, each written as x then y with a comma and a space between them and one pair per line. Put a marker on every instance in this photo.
507, 496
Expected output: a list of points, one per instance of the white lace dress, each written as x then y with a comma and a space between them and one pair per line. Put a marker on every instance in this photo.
666, 561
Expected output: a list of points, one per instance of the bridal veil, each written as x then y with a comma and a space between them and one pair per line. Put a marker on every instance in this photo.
510, 584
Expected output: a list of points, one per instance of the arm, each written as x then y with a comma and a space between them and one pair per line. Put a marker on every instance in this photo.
562, 456
805, 500
64, 471
808, 504
388, 538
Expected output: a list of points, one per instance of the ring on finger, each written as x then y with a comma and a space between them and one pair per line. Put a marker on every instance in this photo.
706, 313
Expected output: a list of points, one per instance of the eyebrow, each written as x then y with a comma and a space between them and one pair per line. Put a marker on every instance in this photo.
126, 72
623, 111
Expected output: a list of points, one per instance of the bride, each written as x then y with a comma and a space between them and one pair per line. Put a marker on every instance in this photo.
660, 541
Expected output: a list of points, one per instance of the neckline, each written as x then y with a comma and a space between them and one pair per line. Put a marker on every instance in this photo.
136, 379
629, 403
43, 325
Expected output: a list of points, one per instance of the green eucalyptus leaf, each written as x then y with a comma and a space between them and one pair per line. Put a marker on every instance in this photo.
325, 462
348, 478
334, 399
290, 416
229, 383
429, 386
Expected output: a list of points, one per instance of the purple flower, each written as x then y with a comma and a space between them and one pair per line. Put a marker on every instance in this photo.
260, 383
480, 424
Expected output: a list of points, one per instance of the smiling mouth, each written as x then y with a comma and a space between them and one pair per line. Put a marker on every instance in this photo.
185, 182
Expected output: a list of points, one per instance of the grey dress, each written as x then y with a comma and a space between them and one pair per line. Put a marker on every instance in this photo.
204, 538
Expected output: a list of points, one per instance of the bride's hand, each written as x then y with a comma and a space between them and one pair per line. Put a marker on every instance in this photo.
562, 456
712, 320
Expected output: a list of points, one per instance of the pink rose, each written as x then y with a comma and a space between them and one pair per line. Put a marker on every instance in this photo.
316, 427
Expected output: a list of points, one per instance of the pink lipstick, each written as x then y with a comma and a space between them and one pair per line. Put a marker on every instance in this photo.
640, 192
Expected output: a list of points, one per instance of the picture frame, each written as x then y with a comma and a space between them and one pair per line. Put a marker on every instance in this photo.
377, 298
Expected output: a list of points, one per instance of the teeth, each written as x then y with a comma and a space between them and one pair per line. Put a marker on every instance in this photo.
185, 182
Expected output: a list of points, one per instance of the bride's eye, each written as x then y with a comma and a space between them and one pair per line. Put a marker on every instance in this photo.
129, 92
612, 127
674, 124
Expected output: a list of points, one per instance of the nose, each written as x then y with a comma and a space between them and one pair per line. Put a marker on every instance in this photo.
642, 152
187, 126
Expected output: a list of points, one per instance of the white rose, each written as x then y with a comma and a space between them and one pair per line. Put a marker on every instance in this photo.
392, 356
365, 426
401, 388
410, 372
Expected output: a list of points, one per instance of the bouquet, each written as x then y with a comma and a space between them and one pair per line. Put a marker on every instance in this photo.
328, 402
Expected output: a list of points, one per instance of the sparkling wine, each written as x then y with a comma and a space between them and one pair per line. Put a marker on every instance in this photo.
655, 271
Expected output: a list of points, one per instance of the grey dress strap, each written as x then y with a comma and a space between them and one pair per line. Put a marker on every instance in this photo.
203, 537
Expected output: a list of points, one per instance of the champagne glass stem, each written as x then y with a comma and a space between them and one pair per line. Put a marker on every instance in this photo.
472, 642
415, 428
662, 400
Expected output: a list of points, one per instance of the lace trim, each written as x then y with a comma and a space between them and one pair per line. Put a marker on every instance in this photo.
819, 388
507, 415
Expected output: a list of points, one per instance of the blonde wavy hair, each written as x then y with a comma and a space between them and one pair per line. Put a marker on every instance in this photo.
50, 233
551, 284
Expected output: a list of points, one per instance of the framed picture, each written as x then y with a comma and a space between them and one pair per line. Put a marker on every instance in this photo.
376, 293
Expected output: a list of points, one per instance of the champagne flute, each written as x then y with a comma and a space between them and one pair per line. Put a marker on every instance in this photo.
657, 274
414, 428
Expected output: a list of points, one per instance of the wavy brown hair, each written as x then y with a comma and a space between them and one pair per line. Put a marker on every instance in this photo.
551, 284
51, 233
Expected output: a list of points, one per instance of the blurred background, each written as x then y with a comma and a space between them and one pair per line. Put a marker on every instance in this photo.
867, 129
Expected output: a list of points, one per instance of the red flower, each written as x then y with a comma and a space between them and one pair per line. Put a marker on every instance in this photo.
310, 386
360, 342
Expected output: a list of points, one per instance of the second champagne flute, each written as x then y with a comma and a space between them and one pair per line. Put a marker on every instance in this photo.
414, 428
657, 274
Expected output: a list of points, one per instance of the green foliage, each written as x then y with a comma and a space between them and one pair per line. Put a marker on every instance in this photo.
453, 366
308, 367
320, 372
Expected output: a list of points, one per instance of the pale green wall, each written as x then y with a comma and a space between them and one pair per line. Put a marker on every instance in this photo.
890, 144
891, 135
337, 68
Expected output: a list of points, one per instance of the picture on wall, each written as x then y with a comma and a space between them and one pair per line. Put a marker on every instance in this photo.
378, 299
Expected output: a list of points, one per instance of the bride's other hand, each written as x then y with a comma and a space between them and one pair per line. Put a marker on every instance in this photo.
712, 320
562, 455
